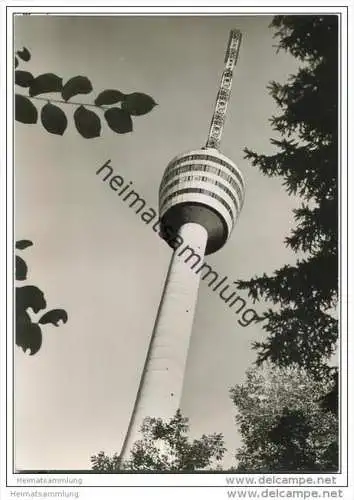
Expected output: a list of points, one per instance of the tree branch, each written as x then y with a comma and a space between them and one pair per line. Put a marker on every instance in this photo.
74, 103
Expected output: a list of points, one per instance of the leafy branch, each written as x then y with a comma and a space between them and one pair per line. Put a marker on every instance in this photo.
118, 108
60, 101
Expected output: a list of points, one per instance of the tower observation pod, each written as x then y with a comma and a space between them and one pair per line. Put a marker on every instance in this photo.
200, 198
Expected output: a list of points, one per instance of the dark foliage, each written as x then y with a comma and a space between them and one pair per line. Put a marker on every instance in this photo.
53, 119
119, 120
87, 122
330, 401
291, 436
296, 452
75, 86
283, 423
29, 297
302, 329
165, 446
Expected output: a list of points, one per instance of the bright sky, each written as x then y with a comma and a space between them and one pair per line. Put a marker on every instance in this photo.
94, 257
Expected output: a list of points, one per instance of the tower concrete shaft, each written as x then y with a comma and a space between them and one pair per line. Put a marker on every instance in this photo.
200, 198
160, 390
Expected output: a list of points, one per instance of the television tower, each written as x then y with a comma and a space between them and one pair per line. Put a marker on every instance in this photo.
200, 198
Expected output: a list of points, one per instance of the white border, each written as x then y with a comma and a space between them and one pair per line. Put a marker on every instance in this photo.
249, 8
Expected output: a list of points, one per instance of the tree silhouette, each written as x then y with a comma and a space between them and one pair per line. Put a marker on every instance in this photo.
29, 332
329, 402
117, 108
165, 446
283, 423
303, 328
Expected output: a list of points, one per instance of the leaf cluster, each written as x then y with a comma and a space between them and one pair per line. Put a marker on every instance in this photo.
117, 108
29, 332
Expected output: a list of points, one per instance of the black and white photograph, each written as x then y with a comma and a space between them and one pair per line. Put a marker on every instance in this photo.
178, 227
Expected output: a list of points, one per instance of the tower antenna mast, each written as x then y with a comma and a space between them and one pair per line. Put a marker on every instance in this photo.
223, 97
